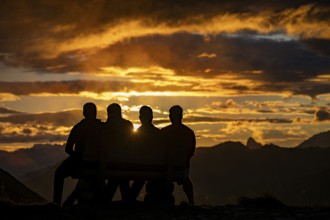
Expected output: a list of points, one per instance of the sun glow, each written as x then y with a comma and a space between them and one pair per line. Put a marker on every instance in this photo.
136, 126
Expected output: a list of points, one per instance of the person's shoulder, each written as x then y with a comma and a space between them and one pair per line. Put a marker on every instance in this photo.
97, 124
166, 128
127, 122
148, 129
79, 124
89, 122
78, 127
188, 129
155, 130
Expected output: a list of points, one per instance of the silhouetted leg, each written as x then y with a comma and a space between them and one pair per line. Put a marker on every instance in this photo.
71, 198
100, 193
136, 188
188, 188
63, 171
124, 190
111, 189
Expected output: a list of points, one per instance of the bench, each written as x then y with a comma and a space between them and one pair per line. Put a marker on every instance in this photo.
88, 173
130, 160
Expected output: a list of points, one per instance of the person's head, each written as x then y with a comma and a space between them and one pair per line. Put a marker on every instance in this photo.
176, 114
89, 110
146, 115
114, 110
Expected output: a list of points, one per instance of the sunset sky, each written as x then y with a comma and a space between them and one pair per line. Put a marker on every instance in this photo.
239, 69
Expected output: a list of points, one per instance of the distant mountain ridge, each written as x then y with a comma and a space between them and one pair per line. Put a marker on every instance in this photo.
321, 140
23, 161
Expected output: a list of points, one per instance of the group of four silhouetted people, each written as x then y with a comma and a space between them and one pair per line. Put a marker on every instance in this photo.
93, 140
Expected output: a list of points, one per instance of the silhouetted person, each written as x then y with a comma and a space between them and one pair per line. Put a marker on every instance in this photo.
116, 136
83, 144
180, 142
147, 139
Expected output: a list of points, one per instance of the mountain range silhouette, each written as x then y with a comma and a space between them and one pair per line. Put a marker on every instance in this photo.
221, 174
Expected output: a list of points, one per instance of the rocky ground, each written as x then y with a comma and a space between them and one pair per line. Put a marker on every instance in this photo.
142, 211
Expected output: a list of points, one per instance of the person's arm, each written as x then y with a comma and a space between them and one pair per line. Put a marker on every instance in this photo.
71, 142
193, 144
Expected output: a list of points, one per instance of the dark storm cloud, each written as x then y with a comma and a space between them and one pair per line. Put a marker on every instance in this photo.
27, 24
322, 115
320, 46
311, 89
25, 138
57, 36
76, 86
66, 118
93, 14
280, 62
25, 88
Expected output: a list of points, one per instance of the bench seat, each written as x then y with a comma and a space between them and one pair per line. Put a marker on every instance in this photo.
128, 171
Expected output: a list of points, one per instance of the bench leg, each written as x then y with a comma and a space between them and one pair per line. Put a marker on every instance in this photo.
136, 189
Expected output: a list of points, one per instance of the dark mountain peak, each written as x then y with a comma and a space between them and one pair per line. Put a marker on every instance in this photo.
321, 140
253, 144
230, 145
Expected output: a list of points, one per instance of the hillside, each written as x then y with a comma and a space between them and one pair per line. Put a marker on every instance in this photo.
14, 192
41, 181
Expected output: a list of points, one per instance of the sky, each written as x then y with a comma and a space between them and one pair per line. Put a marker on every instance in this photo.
239, 69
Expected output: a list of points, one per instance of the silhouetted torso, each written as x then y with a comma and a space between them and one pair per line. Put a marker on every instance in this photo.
180, 142
149, 147
116, 136
85, 139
